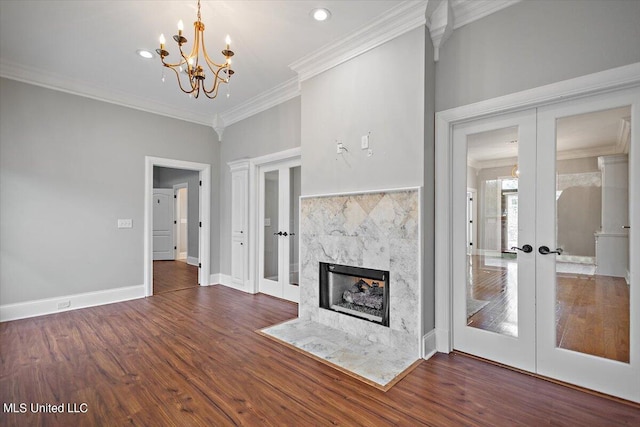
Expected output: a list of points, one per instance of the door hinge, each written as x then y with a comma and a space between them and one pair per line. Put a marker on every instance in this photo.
175, 248
199, 265
200, 184
470, 221
175, 196
471, 244
471, 199
200, 224
175, 222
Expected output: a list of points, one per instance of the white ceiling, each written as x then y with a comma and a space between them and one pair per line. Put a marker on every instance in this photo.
584, 135
89, 47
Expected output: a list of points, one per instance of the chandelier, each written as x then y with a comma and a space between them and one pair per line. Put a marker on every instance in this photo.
190, 70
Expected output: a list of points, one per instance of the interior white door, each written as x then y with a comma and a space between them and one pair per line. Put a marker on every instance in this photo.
496, 156
278, 230
163, 222
588, 200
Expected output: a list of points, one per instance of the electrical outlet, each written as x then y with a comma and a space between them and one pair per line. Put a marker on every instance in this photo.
64, 304
125, 223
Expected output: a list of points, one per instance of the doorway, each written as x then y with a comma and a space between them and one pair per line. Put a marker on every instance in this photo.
175, 253
549, 287
197, 265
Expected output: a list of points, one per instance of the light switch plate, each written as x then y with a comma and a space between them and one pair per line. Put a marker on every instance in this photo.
364, 142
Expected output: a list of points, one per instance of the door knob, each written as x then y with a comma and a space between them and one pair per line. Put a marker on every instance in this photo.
544, 250
285, 234
525, 248
279, 233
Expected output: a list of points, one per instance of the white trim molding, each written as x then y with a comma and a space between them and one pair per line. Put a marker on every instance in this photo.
429, 344
602, 82
39, 77
215, 279
403, 18
41, 307
262, 102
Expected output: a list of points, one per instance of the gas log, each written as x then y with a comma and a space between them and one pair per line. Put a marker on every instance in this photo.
365, 295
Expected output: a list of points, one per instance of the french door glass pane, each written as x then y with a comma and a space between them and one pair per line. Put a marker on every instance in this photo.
294, 203
271, 238
492, 274
592, 211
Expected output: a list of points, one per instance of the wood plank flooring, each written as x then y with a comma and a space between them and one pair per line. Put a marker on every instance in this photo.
193, 358
171, 276
592, 311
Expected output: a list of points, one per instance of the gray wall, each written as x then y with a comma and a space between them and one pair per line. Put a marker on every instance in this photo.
388, 92
534, 43
167, 178
69, 168
381, 92
271, 131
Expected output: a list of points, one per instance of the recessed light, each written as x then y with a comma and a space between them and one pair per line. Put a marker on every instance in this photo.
320, 14
144, 53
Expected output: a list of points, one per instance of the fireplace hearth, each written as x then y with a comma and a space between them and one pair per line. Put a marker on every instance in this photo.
355, 291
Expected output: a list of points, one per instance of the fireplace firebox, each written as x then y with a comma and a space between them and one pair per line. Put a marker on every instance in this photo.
355, 291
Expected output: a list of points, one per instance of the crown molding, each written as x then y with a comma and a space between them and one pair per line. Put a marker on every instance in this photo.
405, 17
441, 16
444, 16
467, 12
267, 99
65, 84
624, 135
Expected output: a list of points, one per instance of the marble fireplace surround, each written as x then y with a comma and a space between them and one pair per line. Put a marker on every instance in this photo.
379, 230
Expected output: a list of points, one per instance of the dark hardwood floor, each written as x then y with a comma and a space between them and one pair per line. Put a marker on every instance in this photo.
192, 358
171, 276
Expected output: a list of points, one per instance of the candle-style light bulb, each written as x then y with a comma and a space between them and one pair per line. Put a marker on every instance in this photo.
227, 41
180, 27
162, 41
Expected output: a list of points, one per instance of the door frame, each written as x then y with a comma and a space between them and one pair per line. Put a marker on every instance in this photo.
591, 84
204, 252
177, 212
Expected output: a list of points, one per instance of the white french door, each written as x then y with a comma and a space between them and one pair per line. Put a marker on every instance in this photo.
279, 195
588, 301
561, 181
494, 287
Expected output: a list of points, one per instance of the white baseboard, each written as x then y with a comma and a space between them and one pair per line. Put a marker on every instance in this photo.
429, 345
627, 278
191, 260
226, 280
41, 307
215, 279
